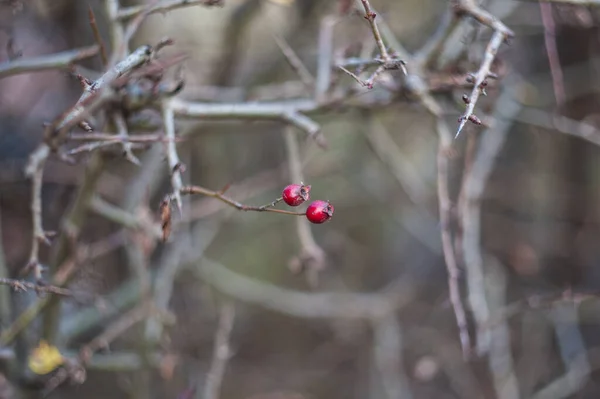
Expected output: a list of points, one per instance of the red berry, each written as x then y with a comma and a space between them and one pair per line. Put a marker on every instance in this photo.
319, 212
295, 194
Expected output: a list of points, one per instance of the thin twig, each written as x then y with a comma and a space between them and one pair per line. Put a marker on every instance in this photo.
123, 135
295, 62
445, 207
552, 52
195, 190
97, 36
479, 79
22, 285
38, 234
138, 138
370, 16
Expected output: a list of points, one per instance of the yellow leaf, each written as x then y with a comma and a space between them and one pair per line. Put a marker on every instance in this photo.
45, 358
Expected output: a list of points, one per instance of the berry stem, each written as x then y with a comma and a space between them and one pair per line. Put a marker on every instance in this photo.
272, 204
197, 190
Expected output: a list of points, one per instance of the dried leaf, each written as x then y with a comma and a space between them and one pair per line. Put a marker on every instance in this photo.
165, 218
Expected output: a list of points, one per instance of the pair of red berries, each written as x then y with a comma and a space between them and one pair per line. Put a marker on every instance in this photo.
317, 212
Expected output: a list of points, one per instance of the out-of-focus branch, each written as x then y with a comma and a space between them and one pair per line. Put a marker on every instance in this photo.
500, 359
325, 51
295, 62
114, 330
573, 351
574, 2
163, 7
445, 209
45, 62
123, 135
552, 53
387, 351
59, 279
396, 295
124, 218
5, 299
22, 285
221, 352
390, 154
489, 147
312, 257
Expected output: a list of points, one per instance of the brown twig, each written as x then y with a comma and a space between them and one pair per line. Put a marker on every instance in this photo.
445, 206
97, 36
197, 190
552, 52
370, 16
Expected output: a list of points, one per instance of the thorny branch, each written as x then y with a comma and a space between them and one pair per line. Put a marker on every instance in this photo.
479, 79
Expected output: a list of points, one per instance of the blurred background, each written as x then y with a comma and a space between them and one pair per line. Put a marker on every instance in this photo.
366, 312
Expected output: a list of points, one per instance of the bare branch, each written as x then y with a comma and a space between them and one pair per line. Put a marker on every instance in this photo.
387, 351
306, 305
479, 80
501, 33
